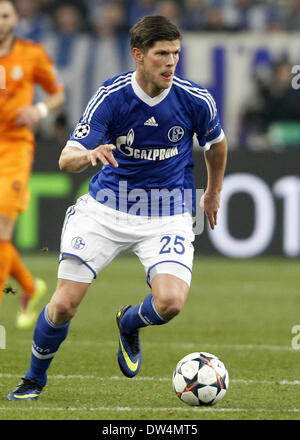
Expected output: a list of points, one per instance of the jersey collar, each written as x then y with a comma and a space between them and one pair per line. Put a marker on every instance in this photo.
146, 98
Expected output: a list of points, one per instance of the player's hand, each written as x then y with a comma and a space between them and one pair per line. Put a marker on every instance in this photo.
103, 154
29, 116
210, 202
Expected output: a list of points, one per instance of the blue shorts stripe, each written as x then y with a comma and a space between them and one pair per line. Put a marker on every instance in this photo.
166, 261
67, 254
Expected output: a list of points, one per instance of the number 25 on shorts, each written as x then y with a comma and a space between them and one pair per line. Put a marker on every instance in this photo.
172, 244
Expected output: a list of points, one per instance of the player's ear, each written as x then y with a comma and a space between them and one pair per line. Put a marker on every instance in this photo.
138, 55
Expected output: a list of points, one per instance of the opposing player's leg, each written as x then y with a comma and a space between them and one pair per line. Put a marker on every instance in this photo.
6, 231
33, 289
11, 265
14, 199
50, 331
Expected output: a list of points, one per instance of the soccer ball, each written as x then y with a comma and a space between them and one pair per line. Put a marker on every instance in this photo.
200, 379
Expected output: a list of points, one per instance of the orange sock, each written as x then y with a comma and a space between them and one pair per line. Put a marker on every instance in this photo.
6, 254
22, 275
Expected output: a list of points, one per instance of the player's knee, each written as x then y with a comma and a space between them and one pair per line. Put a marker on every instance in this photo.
170, 306
65, 309
61, 309
169, 295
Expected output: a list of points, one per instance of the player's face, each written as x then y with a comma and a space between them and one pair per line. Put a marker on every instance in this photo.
8, 20
156, 66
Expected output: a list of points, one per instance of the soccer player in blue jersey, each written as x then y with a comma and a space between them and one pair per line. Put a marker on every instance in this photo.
140, 126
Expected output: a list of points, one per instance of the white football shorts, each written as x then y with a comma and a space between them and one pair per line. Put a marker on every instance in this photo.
94, 234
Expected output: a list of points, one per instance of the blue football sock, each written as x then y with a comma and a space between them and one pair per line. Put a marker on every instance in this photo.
46, 341
142, 315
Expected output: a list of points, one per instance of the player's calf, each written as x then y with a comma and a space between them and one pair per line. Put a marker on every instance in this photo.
47, 339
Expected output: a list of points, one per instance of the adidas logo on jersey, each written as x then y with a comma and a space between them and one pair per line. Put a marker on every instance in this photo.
152, 122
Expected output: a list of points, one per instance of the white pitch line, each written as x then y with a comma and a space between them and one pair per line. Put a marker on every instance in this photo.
139, 409
199, 346
188, 345
152, 379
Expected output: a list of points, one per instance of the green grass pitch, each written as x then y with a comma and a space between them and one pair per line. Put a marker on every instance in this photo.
240, 310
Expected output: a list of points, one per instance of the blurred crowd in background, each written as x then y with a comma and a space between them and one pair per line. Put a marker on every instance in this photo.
273, 99
103, 17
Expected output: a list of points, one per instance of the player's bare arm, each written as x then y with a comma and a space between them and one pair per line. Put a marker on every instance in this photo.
215, 159
31, 115
74, 160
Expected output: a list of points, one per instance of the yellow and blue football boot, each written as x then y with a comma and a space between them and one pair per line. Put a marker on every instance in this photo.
27, 389
130, 353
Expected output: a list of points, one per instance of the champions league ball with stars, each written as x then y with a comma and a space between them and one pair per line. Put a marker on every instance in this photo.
200, 379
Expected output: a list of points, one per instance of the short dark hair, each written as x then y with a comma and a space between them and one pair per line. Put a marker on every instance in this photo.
9, 1
150, 29
12, 2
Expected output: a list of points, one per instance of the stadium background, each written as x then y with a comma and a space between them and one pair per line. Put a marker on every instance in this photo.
246, 52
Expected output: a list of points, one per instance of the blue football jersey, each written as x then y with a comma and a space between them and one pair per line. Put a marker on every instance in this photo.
154, 142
